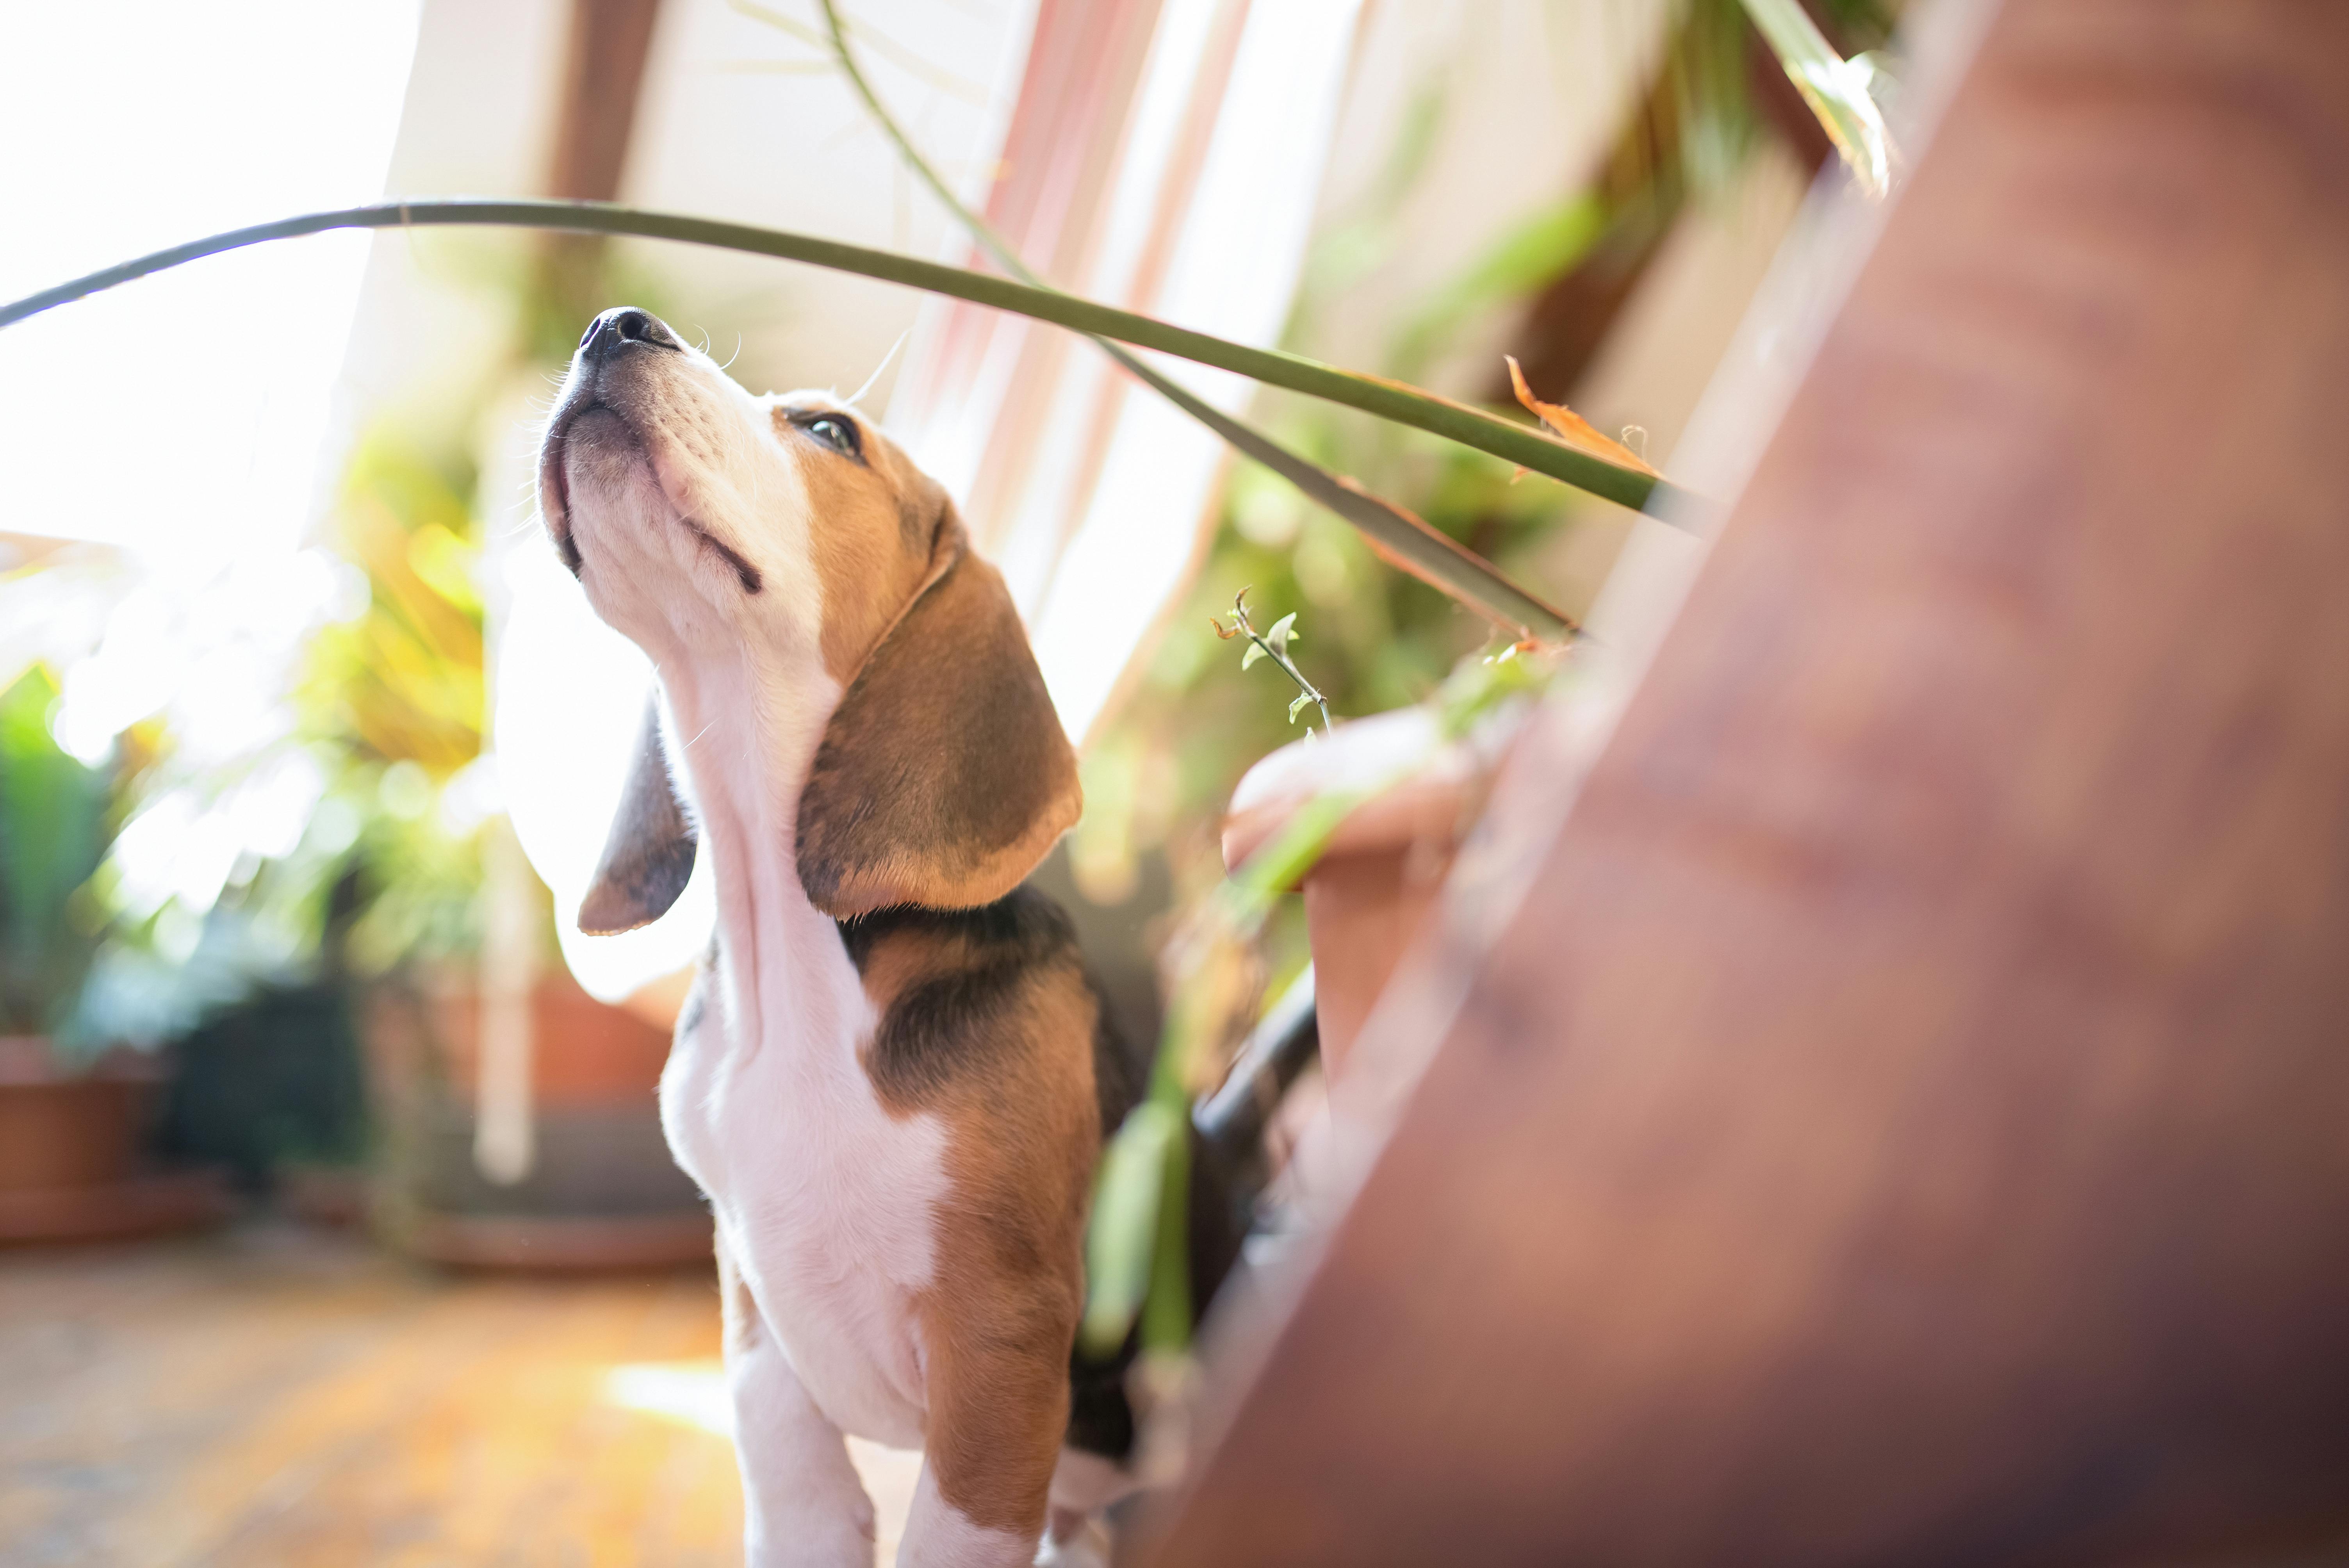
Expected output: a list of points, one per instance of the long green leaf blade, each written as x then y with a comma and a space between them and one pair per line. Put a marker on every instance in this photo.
1390, 400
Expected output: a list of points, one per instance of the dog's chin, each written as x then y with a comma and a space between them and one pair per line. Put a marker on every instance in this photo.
602, 455
592, 462
598, 466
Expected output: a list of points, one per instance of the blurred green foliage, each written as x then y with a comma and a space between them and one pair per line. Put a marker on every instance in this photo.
53, 834
402, 681
393, 703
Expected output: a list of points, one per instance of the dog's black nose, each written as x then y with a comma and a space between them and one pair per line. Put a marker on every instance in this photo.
626, 323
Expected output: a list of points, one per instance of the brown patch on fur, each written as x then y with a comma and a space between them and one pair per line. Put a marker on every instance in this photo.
988, 1022
872, 527
943, 775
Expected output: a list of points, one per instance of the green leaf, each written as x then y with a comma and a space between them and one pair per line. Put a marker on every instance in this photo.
1836, 89
1282, 631
1255, 652
1302, 699
52, 838
1124, 1232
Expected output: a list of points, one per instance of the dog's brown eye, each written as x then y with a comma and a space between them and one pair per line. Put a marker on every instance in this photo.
837, 434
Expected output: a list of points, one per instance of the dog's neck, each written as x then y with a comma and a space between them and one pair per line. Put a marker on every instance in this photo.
744, 747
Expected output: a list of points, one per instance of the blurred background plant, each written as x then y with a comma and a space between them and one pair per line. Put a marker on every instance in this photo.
52, 812
268, 783
393, 702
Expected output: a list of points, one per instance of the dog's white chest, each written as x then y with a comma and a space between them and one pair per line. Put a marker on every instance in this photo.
825, 1201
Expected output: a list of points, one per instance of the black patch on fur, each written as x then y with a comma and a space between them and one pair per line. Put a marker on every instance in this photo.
654, 877
934, 1030
1100, 1417
1121, 1067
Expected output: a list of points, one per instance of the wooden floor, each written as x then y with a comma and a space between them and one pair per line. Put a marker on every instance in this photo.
275, 1396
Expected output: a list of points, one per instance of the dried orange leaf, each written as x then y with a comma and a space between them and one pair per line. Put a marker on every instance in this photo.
1572, 427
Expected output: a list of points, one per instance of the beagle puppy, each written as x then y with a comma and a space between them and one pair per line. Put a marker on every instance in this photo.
893, 1077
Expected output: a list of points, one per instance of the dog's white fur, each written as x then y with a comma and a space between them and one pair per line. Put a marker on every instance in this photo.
824, 1200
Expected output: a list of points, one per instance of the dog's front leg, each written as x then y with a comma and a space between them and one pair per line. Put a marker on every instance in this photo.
996, 1374
802, 1506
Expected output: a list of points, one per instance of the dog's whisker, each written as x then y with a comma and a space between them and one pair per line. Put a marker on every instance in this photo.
859, 394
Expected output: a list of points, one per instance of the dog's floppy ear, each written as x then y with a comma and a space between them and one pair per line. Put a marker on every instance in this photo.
943, 775
648, 854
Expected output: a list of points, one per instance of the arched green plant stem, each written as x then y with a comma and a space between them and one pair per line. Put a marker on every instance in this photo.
1390, 400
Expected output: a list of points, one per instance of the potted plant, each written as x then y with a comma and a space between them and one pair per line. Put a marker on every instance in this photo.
74, 1109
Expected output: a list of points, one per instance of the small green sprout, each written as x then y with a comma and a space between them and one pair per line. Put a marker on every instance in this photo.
1272, 644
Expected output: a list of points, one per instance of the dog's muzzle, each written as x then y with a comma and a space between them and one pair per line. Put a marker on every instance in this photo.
609, 338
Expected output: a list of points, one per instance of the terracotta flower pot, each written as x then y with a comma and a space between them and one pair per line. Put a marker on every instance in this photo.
1368, 895
70, 1157
601, 1192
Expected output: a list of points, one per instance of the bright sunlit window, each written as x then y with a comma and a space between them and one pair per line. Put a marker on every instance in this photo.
183, 414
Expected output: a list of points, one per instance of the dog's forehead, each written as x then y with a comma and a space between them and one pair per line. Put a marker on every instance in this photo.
871, 519
807, 401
